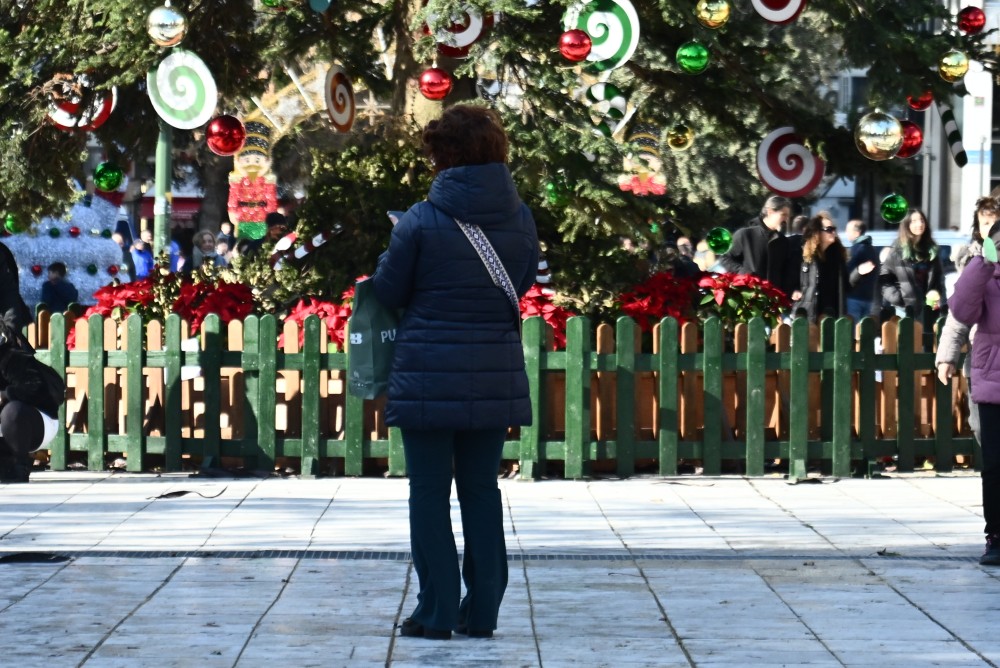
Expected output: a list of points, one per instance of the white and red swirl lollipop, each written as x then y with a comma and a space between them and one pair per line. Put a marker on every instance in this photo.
182, 90
340, 105
456, 40
779, 11
786, 166
69, 113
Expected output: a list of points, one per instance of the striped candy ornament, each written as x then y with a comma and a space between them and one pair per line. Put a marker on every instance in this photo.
779, 11
285, 249
953, 133
607, 103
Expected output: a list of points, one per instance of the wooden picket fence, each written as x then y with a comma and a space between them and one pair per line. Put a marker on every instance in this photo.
614, 401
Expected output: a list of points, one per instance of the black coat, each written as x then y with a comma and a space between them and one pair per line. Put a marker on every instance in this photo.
900, 286
10, 290
867, 286
834, 270
764, 253
458, 361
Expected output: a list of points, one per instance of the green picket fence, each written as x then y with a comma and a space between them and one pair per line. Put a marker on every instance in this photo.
846, 370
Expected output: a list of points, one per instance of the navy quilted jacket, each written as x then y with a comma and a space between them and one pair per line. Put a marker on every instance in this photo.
458, 359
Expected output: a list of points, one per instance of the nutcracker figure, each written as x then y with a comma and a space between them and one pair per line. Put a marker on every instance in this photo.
253, 190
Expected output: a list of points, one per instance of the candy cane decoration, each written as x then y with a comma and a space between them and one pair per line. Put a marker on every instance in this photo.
278, 257
340, 104
613, 27
607, 103
456, 40
182, 90
953, 133
786, 166
779, 11
68, 113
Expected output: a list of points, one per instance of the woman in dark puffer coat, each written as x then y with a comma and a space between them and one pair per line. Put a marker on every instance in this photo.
458, 380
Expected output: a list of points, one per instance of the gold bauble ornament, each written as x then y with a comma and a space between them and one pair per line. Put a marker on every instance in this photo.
680, 137
879, 136
712, 13
953, 65
166, 26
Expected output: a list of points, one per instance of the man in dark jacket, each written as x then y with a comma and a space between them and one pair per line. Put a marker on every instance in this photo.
861, 296
761, 248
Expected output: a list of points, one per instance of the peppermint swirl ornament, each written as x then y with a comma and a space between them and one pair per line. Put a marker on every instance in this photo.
786, 166
779, 11
466, 29
182, 90
340, 105
613, 26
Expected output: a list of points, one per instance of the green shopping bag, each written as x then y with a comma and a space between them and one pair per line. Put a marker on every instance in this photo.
372, 337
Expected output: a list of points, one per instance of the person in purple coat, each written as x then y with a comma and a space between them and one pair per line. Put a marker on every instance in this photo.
976, 301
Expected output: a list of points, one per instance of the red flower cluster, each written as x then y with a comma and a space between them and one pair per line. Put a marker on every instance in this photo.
231, 301
740, 297
659, 296
335, 315
537, 302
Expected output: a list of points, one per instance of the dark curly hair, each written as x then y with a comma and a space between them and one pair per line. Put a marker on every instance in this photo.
465, 135
985, 205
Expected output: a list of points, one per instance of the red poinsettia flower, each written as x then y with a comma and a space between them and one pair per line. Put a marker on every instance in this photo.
538, 302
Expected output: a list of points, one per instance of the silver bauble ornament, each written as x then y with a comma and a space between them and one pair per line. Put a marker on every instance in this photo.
879, 136
166, 26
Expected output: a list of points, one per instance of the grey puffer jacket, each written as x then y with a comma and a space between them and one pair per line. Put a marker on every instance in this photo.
458, 361
955, 335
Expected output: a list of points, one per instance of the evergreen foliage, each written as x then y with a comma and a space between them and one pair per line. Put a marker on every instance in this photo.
761, 76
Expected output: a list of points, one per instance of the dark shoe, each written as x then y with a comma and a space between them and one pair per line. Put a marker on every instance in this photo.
13, 471
412, 629
991, 557
464, 630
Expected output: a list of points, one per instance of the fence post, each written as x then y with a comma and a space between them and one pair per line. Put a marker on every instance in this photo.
755, 383
867, 397
577, 396
625, 381
210, 361
97, 360
667, 376
59, 447
798, 401
530, 453
135, 392
173, 361
309, 465
712, 396
843, 348
905, 396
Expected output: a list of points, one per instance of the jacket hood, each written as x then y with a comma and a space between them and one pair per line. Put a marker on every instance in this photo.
863, 239
477, 194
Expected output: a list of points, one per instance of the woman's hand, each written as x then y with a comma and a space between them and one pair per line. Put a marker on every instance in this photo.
866, 268
945, 372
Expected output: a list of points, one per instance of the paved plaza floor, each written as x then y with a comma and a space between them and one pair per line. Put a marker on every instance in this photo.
203, 572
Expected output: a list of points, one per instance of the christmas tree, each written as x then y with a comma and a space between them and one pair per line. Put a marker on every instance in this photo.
670, 97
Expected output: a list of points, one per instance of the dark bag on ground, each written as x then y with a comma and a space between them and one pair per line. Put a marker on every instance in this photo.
370, 343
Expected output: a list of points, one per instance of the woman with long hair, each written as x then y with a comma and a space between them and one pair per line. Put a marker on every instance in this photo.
912, 276
823, 280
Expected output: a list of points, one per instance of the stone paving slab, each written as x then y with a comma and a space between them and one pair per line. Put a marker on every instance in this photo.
684, 571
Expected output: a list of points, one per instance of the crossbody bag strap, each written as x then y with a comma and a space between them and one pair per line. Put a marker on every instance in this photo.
493, 264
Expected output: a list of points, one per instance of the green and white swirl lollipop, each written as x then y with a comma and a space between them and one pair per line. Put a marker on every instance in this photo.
613, 27
182, 90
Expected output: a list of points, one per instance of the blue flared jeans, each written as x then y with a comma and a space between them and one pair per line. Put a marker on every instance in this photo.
472, 459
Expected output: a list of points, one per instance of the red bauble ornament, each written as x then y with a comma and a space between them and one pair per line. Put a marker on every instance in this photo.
913, 139
971, 20
74, 231
920, 102
435, 83
225, 135
575, 45
113, 270
36, 269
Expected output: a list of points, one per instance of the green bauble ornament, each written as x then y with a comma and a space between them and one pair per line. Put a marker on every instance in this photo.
692, 57
54, 232
12, 225
719, 239
92, 269
555, 193
106, 234
894, 208
108, 176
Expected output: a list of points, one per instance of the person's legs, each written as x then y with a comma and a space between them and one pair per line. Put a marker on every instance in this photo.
21, 432
989, 418
429, 456
484, 565
858, 309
